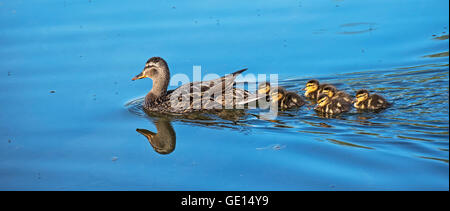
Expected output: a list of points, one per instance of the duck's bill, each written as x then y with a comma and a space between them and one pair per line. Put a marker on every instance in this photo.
145, 132
138, 77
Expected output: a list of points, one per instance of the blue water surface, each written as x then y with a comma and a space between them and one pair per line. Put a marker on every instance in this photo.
70, 110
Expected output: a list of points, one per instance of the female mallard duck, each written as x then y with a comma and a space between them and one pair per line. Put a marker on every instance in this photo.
313, 89
364, 101
326, 104
280, 95
334, 93
196, 96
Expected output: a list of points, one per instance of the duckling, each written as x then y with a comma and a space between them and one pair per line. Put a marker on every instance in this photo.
313, 89
326, 104
196, 96
364, 100
264, 89
286, 99
334, 93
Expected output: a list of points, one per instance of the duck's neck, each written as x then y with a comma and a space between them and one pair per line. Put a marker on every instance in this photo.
159, 88
164, 140
160, 83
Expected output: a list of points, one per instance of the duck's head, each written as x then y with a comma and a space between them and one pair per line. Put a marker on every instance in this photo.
264, 88
277, 94
361, 95
329, 90
311, 86
323, 100
155, 68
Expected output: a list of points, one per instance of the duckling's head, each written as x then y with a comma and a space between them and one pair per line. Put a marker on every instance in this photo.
323, 100
311, 86
277, 94
264, 88
329, 90
155, 68
361, 95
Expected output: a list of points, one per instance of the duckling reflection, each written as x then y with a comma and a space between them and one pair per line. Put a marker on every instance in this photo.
163, 142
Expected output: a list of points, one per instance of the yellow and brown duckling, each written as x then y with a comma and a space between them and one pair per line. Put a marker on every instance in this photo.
313, 89
279, 95
326, 104
263, 90
285, 99
214, 94
334, 93
366, 101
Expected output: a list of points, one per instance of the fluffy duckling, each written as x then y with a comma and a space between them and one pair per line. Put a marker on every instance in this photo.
334, 93
313, 89
286, 99
326, 104
281, 96
364, 100
263, 90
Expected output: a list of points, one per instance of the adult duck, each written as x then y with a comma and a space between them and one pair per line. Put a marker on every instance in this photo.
214, 94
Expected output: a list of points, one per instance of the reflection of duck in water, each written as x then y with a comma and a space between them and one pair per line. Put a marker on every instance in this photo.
285, 99
214, 94
366, 101
163, 142
327, 105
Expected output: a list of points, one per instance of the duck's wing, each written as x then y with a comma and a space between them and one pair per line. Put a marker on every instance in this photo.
251, 97
294, 100
377, 101
223, 84
211, 86
195, 92
234, 98
344, 96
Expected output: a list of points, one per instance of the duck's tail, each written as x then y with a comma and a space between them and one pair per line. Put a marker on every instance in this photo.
239, 72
